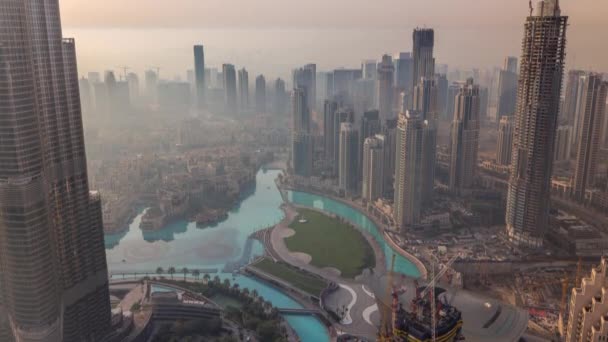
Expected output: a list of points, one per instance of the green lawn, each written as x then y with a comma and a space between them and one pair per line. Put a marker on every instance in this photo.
303, 281
331, 243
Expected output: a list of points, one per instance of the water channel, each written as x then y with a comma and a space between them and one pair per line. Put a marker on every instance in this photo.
183, 244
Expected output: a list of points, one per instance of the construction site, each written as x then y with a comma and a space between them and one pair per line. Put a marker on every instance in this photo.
412, 311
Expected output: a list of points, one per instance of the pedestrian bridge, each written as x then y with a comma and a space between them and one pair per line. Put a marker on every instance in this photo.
310, 312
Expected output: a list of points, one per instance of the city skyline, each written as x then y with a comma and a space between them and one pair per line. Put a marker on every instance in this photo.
491, 27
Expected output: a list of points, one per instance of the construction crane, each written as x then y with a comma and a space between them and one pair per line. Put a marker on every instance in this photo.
383, 334
431, 287
435, 278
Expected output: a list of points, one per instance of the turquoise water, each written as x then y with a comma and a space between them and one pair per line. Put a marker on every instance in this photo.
181, 244
402, 265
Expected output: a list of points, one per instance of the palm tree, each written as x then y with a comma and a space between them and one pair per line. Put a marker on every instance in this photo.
196, 274
235, 288
254, 293
217, 280
206, 278
171, 271
227, 283
246, 292
185, 271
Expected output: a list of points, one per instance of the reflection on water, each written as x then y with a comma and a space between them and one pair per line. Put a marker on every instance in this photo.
402, 265
167, 233
182, 244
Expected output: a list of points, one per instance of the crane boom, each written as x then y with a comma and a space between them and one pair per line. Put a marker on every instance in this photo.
439, 275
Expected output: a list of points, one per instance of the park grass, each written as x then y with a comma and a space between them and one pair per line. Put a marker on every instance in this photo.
331, 243
303, 281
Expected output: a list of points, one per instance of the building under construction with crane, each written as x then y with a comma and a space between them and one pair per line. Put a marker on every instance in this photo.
418, 324
430, 316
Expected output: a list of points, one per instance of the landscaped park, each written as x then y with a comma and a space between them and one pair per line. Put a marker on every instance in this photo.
331, 242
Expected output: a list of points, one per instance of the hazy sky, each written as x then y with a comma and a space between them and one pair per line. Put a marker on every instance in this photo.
271, 36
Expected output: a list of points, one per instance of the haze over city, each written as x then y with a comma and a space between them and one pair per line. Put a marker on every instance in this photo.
471, 33
303, 171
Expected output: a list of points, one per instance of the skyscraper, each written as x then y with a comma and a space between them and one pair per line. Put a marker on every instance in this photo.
423, 60
243, 76
465, 138
348, 165
302, 142
385, 87
593, 106
301, 113
279, 96
442, 96
199, 75
571, 96
54, 274
389, 130
563, 143
306, 78
507, 88
260, 94
229, 76
373, 168
370, 126
403, 72
329, 119
425, 104
343, 115
151, 79
538, 100
505, 141
369, 69
408, 170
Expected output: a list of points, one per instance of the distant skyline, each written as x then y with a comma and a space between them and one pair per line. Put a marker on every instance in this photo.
469, 33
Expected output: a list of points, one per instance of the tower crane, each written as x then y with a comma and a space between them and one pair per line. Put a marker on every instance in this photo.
383, 334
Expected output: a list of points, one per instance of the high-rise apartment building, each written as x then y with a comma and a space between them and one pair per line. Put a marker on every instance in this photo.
243, 79
389, 130
151, 79
370, 126
538, 101
199, 75
306, 78
408, 170
280, 96
329, 119
422, 53
369, 69
588, 307
230, 97
403, 72
507, 88
302, 140
571, 96
505, 141
54, 275
373, 168
442, 96
385, 87
425, 104
348, 166
260, 94
591, 118
342, 115
563, 143
465, 139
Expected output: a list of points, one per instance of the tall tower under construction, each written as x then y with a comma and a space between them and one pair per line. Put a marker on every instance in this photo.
538, 101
